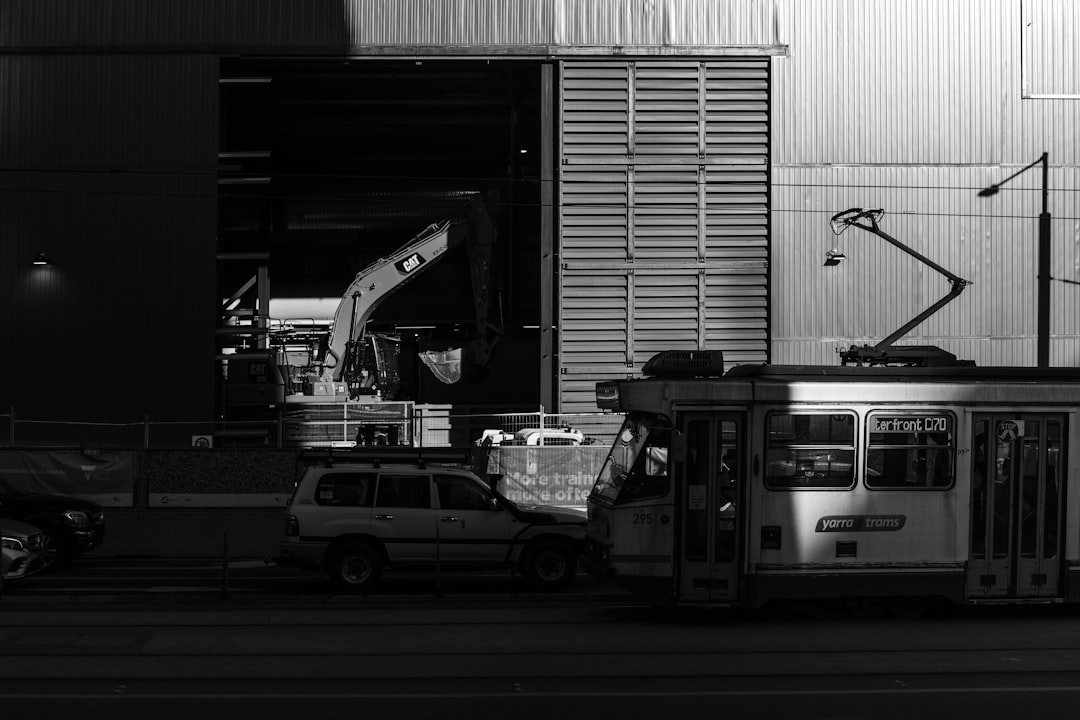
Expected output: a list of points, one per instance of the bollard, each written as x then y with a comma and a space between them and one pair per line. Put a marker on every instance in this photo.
225, 566
438, 563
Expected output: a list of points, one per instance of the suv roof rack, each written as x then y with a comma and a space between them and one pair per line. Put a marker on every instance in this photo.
379, 454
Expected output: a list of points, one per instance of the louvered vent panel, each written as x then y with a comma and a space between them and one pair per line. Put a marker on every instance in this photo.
666, 110
663, 215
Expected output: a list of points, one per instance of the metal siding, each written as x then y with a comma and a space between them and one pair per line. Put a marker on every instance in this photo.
916, 120
898, 81
663, 215
594, 220
1051, 34
110, 169
410, 26
935, 211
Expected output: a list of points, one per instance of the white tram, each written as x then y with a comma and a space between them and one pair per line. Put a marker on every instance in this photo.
839, 483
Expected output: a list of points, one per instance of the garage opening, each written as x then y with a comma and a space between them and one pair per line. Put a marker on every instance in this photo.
328, 165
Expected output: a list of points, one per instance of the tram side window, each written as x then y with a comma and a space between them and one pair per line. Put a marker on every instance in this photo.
637, 465
910, 452
810, 451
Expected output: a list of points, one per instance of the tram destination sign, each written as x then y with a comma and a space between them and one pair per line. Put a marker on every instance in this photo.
910, 423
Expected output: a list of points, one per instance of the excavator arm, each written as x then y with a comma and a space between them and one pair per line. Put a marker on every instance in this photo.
472, 227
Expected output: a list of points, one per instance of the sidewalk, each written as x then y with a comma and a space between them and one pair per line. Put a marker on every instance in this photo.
195, 533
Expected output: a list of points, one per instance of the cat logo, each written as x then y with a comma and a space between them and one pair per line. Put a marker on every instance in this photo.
409, 264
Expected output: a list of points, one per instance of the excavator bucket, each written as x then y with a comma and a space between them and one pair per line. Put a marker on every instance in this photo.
445, 365
468, 363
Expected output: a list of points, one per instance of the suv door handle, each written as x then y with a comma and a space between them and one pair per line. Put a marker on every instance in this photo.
448, 518
384, 517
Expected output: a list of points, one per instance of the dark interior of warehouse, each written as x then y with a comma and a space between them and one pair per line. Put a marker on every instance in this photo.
328, 165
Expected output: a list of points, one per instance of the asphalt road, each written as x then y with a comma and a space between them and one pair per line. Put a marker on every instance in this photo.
99, 579
491, 649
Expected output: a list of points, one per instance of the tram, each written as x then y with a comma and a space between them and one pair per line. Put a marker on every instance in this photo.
897, 485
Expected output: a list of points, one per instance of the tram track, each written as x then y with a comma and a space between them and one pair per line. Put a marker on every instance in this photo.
550, 652
531, 658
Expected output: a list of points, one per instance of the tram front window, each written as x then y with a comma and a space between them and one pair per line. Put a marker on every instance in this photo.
637, 465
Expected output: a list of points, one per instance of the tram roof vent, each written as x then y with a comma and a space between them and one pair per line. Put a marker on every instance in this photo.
685, 363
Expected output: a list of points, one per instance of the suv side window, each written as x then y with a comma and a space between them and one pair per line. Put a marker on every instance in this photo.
346, 489
404, 491
460, 493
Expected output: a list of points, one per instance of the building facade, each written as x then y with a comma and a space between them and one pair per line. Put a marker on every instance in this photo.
663, 173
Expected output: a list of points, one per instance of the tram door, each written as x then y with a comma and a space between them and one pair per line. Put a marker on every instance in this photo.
710, 497
1016, 505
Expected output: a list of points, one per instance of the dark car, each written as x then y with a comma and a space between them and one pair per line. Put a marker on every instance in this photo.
71, 526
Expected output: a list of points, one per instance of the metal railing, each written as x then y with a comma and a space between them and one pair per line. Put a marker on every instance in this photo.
423, 428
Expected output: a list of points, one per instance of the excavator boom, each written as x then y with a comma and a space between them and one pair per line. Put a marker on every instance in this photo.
471, 226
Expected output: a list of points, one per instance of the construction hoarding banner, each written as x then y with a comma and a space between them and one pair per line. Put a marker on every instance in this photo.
544, 475
105, 477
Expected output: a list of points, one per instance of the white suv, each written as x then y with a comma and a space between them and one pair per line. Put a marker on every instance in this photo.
349, 520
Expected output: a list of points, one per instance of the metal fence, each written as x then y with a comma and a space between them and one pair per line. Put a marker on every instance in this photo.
422, 428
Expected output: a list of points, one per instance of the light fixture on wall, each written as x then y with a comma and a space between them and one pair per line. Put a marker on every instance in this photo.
833, 257
42, 259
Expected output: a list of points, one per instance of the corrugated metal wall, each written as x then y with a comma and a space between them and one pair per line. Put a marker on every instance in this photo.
108, 141
1050, 34
437, 27
108, 166
914, 106
663, 213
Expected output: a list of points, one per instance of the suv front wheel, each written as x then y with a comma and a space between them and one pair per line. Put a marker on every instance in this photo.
356, 566
550, 564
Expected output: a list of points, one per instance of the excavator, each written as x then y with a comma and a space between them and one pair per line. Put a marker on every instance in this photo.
359, 358
360, 362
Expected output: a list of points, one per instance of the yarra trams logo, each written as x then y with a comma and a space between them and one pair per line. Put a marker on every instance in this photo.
860, 523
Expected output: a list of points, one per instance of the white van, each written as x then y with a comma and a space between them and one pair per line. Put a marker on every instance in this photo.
534, 436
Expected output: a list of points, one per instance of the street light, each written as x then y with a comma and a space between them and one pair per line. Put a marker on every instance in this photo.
1043, 301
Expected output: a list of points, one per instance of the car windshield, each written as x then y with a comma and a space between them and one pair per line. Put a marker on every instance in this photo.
636, 465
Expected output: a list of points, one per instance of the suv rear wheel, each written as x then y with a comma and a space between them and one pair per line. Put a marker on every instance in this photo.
356, 566
550, 564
